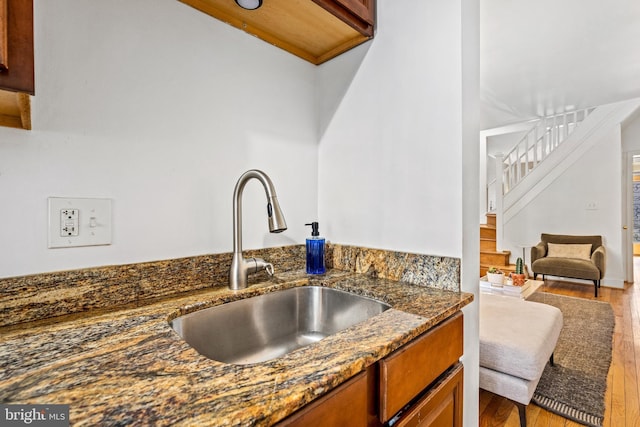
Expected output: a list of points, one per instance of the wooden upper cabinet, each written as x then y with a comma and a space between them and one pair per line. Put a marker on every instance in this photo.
16, 63
362, 10
3, 35
314, 30
16, 46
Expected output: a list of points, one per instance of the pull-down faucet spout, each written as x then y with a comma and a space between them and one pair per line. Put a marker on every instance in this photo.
241, 267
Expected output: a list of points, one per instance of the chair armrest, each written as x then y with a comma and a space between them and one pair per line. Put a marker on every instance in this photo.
599, 258
538, 251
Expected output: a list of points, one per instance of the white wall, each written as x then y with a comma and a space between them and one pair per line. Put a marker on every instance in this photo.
470, 199
630, 147
505, 142
392, 156
631, 133
161, 108
390, 172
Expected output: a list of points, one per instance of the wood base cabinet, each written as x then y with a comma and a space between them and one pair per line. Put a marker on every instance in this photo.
420, 384
344, 406
440, 406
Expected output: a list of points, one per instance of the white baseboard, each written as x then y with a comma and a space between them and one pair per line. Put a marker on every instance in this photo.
612, 283
606, 282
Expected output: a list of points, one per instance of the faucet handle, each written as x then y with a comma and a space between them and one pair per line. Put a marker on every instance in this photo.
269, 269
259, 264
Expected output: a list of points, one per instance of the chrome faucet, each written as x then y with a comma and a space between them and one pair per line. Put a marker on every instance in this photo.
241, 267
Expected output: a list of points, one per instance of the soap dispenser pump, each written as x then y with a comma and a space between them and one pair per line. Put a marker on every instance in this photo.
315, 251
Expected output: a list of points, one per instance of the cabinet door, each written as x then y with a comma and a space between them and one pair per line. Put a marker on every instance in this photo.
363, 9
441, 406
4, 20
358, 14
347, 405
17, 51
406, 372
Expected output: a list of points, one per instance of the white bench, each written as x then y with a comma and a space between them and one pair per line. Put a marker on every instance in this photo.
517, 338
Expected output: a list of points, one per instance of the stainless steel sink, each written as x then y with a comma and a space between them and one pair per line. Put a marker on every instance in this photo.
264, 327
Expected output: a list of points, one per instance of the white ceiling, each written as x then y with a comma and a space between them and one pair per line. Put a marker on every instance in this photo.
546, 56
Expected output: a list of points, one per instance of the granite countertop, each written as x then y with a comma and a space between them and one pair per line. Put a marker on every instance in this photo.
127, 366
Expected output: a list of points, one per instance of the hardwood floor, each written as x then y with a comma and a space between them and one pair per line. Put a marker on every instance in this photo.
623, 383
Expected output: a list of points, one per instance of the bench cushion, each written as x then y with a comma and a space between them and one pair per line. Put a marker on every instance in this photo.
517, 337
567, 267
514, 388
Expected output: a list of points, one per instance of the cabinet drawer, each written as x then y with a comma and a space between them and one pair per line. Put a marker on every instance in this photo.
440, 406
344, 406
406, 372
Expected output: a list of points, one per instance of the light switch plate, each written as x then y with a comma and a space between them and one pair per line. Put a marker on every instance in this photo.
92, 216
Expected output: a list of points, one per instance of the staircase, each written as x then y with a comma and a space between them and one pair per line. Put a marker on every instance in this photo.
528, 168
489, 257
546, 151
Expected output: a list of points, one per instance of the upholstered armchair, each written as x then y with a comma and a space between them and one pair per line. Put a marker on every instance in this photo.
577, 257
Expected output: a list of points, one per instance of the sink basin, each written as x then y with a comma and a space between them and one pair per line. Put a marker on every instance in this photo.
267, 326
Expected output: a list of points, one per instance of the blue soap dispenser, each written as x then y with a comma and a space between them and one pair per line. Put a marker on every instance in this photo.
315, 251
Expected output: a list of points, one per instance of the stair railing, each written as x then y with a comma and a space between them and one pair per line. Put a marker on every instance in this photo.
537, 144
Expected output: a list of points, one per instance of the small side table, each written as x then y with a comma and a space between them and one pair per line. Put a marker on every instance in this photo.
521, 292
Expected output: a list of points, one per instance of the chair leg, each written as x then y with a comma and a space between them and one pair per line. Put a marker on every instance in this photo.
535, 275
551, 362
596, 285
522, 411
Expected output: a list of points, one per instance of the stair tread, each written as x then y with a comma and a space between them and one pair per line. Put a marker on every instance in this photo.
493, 265
489, 256
496, 252
510, 267
505, 268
